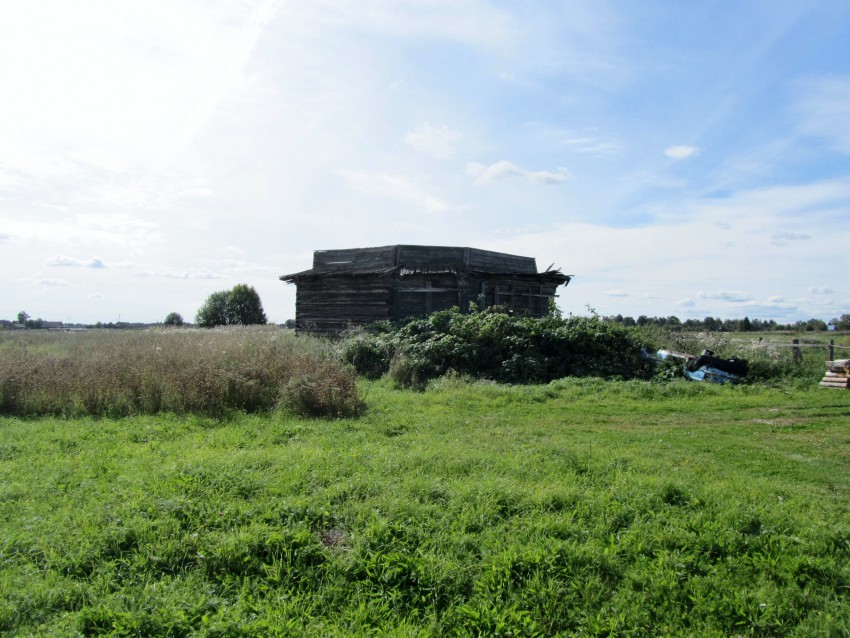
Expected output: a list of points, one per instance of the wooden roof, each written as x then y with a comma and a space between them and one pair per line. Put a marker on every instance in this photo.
406, 259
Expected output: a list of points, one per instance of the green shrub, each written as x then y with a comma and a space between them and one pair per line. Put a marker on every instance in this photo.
322, 389
496, 345
413, 372
369, 354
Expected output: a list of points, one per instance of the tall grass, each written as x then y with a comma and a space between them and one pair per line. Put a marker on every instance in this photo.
211, 372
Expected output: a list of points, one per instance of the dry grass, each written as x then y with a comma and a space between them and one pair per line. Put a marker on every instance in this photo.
210, 372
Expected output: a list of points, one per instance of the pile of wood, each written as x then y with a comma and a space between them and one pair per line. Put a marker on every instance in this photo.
837, 374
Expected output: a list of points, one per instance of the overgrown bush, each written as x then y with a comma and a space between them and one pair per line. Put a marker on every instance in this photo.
114, 373
368, 353
495, 345
410, 371
321, 388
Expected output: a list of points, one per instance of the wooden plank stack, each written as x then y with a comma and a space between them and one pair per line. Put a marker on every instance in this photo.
837, 374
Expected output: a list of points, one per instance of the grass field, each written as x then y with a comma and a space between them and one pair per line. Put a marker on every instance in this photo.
581, 507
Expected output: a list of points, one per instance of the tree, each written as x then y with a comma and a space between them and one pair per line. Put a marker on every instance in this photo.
173, 319
816, 325
842, 322
239, 306
22, 317
244, 306
214, 311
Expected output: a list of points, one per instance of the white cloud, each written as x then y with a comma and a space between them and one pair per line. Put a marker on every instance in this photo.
781, 237
63, 261
616, 293
821, 291
471, 22
584, 141
505, 169
594, 145
681, 152
46, 282
824, 109
108, 230
726, 295
178, 274
395, 186
438, 141
152, 192
733, 278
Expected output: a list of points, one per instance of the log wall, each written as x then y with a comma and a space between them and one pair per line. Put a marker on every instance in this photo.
362, 285
420, 257
355, 260
333, 304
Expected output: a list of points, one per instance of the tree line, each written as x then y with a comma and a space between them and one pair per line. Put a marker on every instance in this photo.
715, 324
239, 306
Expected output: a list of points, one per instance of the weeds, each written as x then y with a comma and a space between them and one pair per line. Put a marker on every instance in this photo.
204, 372
770, 356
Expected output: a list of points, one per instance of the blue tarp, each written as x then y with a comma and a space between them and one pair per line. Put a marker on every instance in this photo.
713, 375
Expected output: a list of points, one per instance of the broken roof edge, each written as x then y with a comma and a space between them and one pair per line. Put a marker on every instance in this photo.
421, 258
551, 276
313, 273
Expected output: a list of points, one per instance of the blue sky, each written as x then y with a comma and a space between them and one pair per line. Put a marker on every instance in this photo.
678, 158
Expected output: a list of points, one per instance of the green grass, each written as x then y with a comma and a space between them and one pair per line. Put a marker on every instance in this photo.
576, 508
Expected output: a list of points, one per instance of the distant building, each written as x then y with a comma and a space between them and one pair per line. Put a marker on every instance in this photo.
362, 285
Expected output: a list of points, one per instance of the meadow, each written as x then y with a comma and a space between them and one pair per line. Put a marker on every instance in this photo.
579, 507
204, 372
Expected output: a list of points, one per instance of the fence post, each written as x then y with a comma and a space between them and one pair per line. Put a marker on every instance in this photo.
832, 350
797, 354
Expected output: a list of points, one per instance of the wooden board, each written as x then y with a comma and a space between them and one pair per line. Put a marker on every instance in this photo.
835, 384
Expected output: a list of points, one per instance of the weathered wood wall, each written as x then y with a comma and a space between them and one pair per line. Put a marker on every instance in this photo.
363, 285
488, 261
427, 258
355, 259
332, 304
423, 294
521, 295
